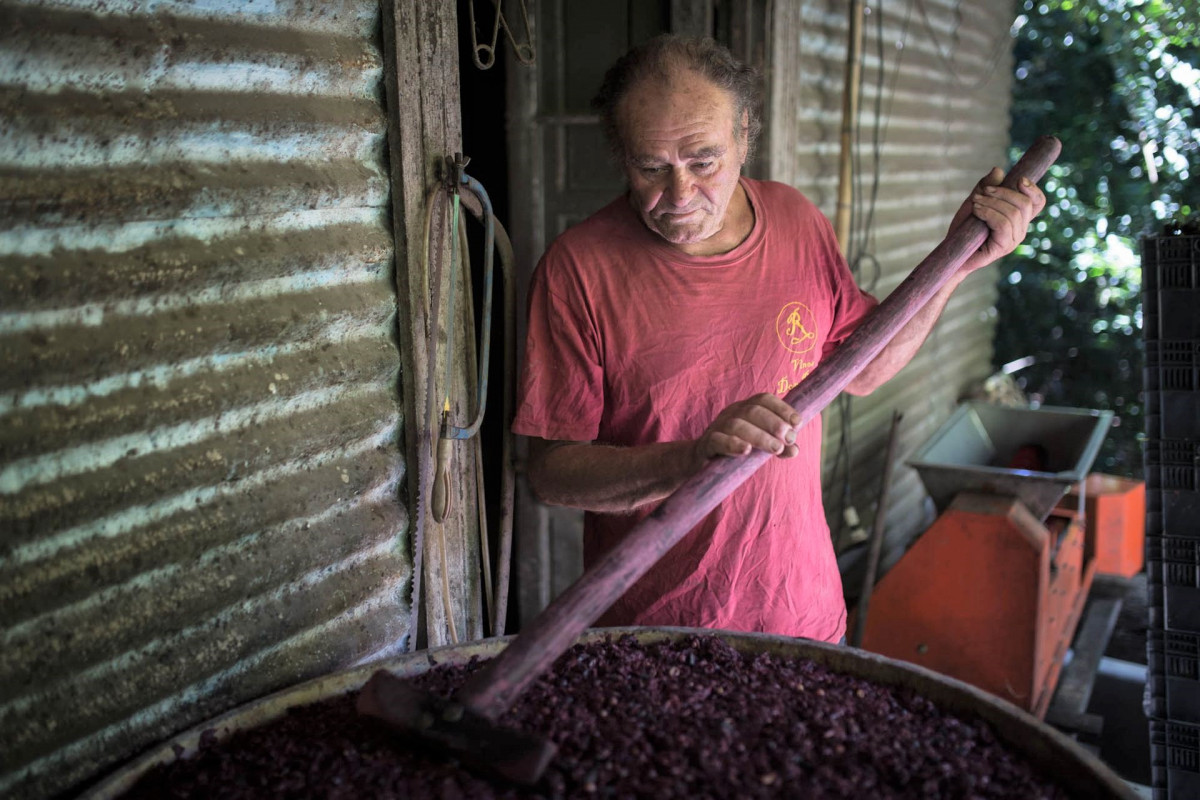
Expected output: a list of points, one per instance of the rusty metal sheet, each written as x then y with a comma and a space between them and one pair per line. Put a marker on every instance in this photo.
200, 415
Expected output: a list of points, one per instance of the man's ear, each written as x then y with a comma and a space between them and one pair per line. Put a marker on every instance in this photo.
744, 137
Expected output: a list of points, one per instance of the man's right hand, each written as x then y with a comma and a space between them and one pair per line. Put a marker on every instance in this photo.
763, 422
600, 477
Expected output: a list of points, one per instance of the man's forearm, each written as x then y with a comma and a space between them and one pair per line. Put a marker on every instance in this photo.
1007, 213
597, 477
905, 344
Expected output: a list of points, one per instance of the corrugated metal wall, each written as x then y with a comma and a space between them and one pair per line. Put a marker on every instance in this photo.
943, 122
199, 409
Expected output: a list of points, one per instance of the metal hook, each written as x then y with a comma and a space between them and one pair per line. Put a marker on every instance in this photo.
452, 174
489, 50
524, 51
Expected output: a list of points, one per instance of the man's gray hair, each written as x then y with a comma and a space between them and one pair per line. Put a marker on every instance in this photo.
658, 59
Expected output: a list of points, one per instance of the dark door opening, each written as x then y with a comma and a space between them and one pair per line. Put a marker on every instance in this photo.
485, 143
537, 147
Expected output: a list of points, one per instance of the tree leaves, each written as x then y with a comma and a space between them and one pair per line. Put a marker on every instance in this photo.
1117, 82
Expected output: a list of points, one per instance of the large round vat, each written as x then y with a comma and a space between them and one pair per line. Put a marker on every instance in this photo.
1048, 751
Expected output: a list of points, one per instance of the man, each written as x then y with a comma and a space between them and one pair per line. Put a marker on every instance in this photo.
664, 329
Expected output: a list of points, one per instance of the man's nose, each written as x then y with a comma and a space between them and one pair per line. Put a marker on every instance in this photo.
681, 188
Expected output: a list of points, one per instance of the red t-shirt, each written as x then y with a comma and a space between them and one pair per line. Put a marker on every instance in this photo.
631, 342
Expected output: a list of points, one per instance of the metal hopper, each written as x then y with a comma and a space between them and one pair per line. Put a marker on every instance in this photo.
974, 448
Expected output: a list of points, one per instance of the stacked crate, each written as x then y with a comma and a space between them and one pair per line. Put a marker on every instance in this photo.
1171, 325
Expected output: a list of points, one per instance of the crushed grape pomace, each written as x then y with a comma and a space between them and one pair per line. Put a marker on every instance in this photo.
690, 719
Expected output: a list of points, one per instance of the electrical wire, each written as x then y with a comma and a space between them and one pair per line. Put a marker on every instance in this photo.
952, 70
861, 251
863, 203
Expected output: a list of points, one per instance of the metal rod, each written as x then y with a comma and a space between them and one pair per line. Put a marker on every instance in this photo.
485, 550
426, 431
489, 239
508, 477
877, 531
508, 481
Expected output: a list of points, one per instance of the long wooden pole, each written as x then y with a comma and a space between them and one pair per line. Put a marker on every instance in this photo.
493, 689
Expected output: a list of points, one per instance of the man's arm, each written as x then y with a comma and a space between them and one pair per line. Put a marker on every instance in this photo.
598, 477
1007, 214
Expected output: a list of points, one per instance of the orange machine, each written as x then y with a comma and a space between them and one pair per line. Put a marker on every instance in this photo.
1116, 519
988, 595
992, 592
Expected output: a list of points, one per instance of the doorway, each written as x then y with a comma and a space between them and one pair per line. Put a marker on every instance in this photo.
537, 146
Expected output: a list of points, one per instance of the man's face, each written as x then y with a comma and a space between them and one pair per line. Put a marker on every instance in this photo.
682, 159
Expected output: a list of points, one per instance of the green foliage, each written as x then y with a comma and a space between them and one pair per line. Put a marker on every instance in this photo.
1117, 81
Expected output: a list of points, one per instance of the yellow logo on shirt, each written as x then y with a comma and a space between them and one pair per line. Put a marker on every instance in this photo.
796, 328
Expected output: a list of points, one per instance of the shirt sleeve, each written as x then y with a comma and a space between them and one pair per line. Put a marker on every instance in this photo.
851, 305
561, 389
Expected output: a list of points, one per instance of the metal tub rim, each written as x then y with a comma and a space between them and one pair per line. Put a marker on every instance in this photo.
1053, 753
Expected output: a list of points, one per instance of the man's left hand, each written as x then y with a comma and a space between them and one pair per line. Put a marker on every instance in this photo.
1006, 212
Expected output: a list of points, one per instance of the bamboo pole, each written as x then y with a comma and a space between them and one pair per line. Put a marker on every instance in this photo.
850, 97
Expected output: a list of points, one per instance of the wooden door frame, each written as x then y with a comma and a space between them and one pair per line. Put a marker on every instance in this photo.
423, 101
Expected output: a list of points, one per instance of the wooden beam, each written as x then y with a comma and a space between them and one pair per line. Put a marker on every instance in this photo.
1069, 705
692, 17
424, 127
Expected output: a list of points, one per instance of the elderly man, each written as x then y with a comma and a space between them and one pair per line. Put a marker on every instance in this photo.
664, 329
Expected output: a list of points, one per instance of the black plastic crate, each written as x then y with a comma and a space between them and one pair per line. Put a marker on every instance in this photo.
1173, 486
1154, 523
1180, 575
1172, 265
1179, 414
1153, 418
1171, 261
1175, 759
1155, 610
1155, 591
1176, 363
1152, 377
1176, 314
1156, 696
1175, 684
1171, 379
1155, 602
1152, 457
1175, 261
1152, 389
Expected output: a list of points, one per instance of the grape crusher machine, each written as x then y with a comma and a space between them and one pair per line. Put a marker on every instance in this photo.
992, 592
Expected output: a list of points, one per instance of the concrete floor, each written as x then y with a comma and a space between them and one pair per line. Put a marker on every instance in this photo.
1128, 642
1117, 697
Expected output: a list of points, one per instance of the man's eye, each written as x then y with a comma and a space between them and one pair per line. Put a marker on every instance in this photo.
653, 170
702, 166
